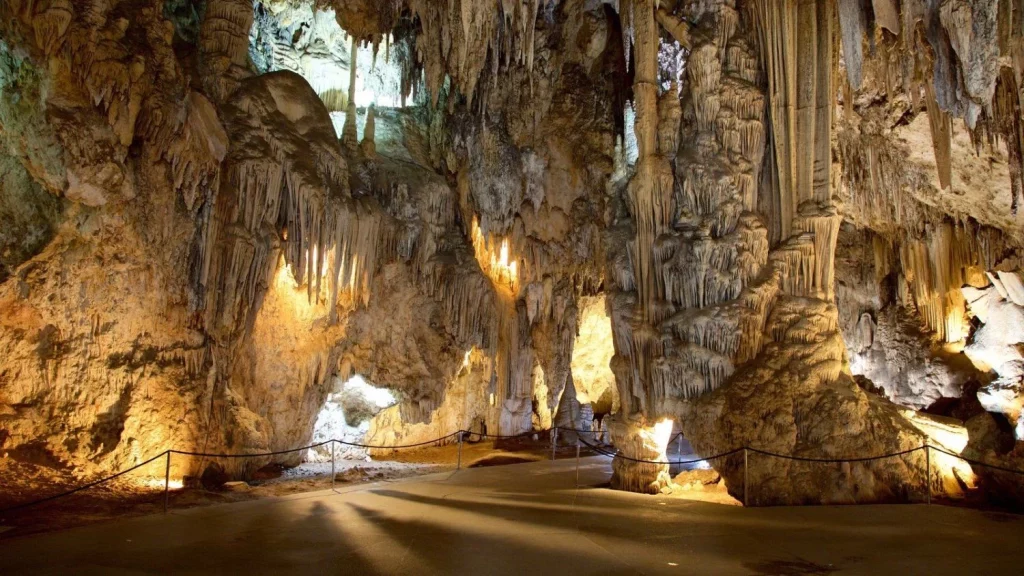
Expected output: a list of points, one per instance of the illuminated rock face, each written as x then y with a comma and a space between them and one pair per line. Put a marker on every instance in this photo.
646, 443
885, 338
551, 210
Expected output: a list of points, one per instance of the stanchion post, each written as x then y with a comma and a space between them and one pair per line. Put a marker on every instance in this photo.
458, 466
746, 479
333, 475
577, 460
167, 482
554, 442
928, 471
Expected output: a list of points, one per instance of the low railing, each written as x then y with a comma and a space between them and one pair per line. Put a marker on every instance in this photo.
747, 450
462, 435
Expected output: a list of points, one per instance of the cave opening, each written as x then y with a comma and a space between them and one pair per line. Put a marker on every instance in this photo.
346, 415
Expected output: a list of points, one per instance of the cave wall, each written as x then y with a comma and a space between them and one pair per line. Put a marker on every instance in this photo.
218, 257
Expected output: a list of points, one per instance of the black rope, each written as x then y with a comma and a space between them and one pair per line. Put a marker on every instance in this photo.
83, 487
437, 440
325, 442
576, 430
670, 463
978, 462
597, 449
504, 437
253, 455
834, 460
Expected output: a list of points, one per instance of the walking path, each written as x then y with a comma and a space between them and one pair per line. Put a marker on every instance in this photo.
526, 519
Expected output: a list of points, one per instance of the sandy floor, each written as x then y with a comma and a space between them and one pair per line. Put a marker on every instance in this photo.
526, 519
130, 498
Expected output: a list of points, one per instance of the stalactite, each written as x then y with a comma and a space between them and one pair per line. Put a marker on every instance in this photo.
461, 37
799, 70
887, 14
823, 225
934, 270
942, 129
1007, 112
851, 21
196, 154
349, 137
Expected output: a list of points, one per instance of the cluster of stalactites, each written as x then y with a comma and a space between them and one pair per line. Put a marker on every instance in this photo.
483, 306
285, 193
954, 46
798, 59
224, 46
320, 240
934, 267
144, 100
427, 238
965, 59
460, 37
140, 98
708, 298
494, 258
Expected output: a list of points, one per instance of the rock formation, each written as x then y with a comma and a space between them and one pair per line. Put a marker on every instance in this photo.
741, 218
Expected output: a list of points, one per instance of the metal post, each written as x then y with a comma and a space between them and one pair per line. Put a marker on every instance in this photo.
459, 465
577, 461
746, 479
679, 444
333, 475
554, 442
928, 471
167, 482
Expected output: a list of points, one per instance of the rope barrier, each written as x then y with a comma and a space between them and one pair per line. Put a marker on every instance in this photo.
835, 460
253, 455
84, 487
979, 463
207, 455
417, 445
317, 445
502, 437
598, 449
669, 463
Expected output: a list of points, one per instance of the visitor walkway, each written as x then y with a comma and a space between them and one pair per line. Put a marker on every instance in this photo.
526, 519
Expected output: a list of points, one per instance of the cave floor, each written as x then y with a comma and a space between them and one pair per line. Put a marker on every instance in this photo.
527, 519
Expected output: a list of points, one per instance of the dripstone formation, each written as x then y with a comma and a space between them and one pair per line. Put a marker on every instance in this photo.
782, 224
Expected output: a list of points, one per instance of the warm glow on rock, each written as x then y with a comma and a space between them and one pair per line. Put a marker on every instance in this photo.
174, 484
288, 290
324, 264
947, 435
497, 264
592, 355
662, 434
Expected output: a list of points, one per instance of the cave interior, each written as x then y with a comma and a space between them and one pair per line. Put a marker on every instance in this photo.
240, 226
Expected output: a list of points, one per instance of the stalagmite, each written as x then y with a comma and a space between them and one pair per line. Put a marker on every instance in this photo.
368, 146
224, 46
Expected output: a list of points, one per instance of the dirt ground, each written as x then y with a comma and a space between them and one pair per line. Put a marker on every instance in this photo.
142, 494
